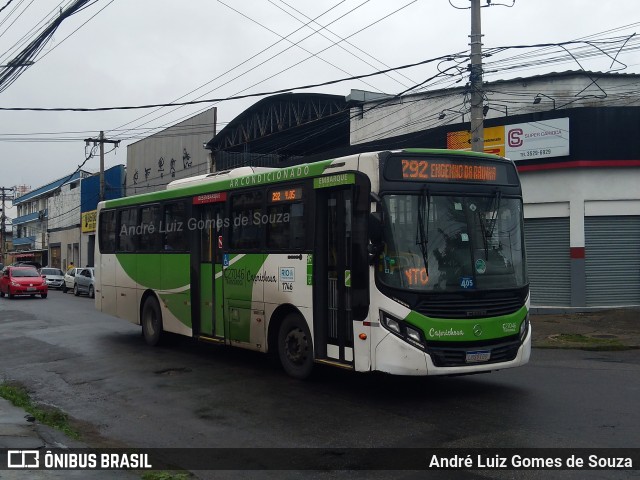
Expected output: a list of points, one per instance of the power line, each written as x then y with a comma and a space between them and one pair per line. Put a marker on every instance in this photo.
16, 66
236, 97
244, 62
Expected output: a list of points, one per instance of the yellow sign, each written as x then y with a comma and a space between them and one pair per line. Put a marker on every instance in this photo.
89, 221
493, 140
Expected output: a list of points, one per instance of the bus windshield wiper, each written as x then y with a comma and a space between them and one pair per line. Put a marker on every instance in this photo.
487, 233
422, 232
495, 207
483, 232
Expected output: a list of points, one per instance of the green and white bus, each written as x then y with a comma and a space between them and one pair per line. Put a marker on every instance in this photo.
410, 262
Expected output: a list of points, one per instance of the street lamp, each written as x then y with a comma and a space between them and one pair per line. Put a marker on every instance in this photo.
486, 109
442, 114
537, 99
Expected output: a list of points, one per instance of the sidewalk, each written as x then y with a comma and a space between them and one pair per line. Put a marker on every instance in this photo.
615, 329
19, 432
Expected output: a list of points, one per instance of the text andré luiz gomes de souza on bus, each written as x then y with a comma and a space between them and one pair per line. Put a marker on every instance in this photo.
256, 219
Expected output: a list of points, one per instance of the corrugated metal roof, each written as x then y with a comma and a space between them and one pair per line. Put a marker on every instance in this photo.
38, 192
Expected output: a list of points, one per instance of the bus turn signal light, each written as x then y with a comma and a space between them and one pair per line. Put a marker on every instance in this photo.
362, 336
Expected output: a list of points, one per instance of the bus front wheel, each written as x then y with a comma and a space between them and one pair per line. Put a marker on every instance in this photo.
151, 322
295, 347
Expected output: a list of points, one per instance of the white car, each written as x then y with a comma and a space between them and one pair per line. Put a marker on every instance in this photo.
70, 279
54, 277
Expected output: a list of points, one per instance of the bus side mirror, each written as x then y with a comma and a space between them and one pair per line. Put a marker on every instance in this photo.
375, 235
375, 228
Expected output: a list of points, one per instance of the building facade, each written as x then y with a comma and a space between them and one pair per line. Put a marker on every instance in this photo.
30, 227
174, 153
572, 138
114, 179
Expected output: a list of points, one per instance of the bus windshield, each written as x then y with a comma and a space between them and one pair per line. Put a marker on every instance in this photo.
452, 243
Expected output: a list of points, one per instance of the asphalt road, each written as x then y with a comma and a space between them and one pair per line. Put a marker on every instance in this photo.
98, 370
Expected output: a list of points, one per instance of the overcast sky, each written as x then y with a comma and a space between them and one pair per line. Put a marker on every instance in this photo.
138, 52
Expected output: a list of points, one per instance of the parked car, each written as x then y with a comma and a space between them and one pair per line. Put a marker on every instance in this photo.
54, 277
28, 263
69, 279
22, 281
85, 282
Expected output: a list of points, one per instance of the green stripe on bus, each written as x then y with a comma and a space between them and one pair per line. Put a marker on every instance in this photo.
276, 175
467, 329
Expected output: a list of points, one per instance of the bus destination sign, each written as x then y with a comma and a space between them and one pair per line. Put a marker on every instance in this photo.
448, 170
286, 195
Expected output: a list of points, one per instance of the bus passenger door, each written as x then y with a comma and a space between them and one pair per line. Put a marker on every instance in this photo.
333, 324
209, 221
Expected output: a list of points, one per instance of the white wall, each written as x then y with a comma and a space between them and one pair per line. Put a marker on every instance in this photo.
180, 145
577, 193
420, 112
64, 207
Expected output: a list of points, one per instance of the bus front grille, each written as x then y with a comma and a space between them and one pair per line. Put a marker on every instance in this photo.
455, 356
472, 305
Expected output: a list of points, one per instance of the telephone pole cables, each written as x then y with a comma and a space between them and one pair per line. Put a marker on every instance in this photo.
101, 140
477, 116
6, 193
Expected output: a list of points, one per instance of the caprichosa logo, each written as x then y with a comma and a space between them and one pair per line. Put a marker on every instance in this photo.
449, 332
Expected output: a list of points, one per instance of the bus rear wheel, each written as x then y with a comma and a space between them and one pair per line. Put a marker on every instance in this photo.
295, 347
151, 322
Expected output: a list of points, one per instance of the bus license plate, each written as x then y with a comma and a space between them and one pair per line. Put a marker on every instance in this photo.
475, 357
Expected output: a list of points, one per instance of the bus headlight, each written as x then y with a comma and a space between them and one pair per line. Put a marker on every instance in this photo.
402, 329
391, 323
413, 334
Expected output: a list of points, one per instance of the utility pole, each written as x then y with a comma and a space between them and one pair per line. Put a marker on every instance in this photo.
101, 140
477, 117
3, 196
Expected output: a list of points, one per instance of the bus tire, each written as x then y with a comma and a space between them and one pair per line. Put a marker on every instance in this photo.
151, 322
295, 347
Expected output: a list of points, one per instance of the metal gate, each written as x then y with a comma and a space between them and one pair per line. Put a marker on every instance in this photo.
548, 261
612, 260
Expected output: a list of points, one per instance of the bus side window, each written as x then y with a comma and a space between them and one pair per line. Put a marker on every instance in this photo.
108, 231
247, 221
128, 223
174, 227
150, 218
286, 227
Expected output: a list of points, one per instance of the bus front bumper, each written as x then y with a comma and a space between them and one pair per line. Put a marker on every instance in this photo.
395, 356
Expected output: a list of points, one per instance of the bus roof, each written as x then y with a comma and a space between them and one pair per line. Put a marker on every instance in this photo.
255, 176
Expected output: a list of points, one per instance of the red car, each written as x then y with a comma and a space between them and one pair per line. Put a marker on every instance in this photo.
22, 281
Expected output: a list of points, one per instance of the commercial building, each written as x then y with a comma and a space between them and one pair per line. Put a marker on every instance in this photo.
34, 210
174, 153
571, 134
54, 226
